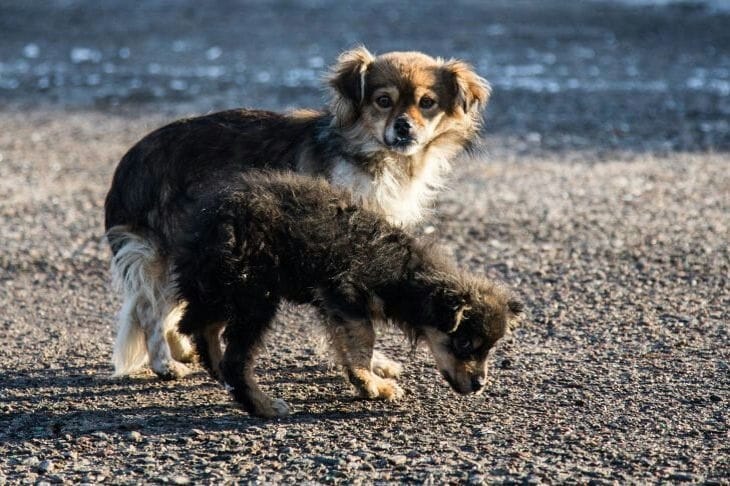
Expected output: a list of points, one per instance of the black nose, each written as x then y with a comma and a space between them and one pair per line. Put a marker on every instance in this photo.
402, 127
478, 382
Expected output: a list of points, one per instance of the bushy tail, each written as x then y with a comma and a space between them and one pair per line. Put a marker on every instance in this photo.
139, 275
130, 350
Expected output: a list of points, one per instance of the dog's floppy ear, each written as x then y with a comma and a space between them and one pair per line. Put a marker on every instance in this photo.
515, 307
457, 317
470, 90
347, 82
447, 309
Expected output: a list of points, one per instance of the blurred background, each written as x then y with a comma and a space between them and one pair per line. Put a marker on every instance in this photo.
641, 74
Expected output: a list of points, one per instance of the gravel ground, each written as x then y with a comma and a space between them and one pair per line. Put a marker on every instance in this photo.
602, 197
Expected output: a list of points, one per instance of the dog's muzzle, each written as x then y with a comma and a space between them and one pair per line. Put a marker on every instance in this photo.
402, 134
475, 385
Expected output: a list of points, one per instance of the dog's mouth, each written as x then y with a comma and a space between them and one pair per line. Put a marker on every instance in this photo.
476, 386
405, 145
399, 143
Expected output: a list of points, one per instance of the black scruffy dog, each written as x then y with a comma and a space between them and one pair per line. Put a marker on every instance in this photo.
263, 238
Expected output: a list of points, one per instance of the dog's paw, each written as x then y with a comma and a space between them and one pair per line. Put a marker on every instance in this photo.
280, 407
216, 375
171, 370
382, 389
276, 408
385, 367
391, 391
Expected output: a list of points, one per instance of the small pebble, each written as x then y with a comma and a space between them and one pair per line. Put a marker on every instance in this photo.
134, 436
398, 459
31, 461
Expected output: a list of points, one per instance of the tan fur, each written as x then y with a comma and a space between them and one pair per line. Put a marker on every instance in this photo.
403, 181
213, 336
180, 346
353, 63
461, 372
353, 344
406, 77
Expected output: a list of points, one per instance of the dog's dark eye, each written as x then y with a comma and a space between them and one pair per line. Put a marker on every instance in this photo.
462, 345
384, 101
426, 103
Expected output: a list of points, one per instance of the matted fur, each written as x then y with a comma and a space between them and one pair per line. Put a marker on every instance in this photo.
160, 179
263, 238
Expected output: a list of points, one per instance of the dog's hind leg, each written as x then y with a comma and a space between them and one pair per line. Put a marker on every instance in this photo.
181, 348
129, 353
208, 346
243, 337
353, 342
160, 357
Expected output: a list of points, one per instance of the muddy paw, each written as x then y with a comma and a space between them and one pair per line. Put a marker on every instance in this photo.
385, 367
171, 370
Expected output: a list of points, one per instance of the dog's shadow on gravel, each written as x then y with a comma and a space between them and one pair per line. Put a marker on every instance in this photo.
82, 401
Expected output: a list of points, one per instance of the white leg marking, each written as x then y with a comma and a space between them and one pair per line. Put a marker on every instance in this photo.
142, 277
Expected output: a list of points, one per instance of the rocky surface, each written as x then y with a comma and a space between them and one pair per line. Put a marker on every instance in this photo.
603, 201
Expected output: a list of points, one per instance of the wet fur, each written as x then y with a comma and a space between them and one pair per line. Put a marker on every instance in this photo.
264, 238
162, 177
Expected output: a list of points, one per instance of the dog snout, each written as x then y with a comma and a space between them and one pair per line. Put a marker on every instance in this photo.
402, 127
451, 381
456, 385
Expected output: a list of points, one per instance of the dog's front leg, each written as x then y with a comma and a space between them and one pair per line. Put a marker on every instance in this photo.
385, 367
353, 342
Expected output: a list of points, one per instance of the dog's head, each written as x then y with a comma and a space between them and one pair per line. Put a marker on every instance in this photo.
403, 101
468, 317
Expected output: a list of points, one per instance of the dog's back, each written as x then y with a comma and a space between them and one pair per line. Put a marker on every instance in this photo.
157, 179
287, 234
155, 188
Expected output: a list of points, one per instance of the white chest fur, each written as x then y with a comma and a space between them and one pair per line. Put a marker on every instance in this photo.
403, 199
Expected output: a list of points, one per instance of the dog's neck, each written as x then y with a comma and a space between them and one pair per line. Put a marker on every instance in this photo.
417, 296
401, 187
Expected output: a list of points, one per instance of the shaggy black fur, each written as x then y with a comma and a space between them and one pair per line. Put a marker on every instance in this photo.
263, 238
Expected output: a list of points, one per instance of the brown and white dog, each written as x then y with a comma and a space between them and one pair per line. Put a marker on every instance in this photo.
394, 124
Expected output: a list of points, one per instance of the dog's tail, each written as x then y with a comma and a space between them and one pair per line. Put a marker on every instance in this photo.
139, 275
